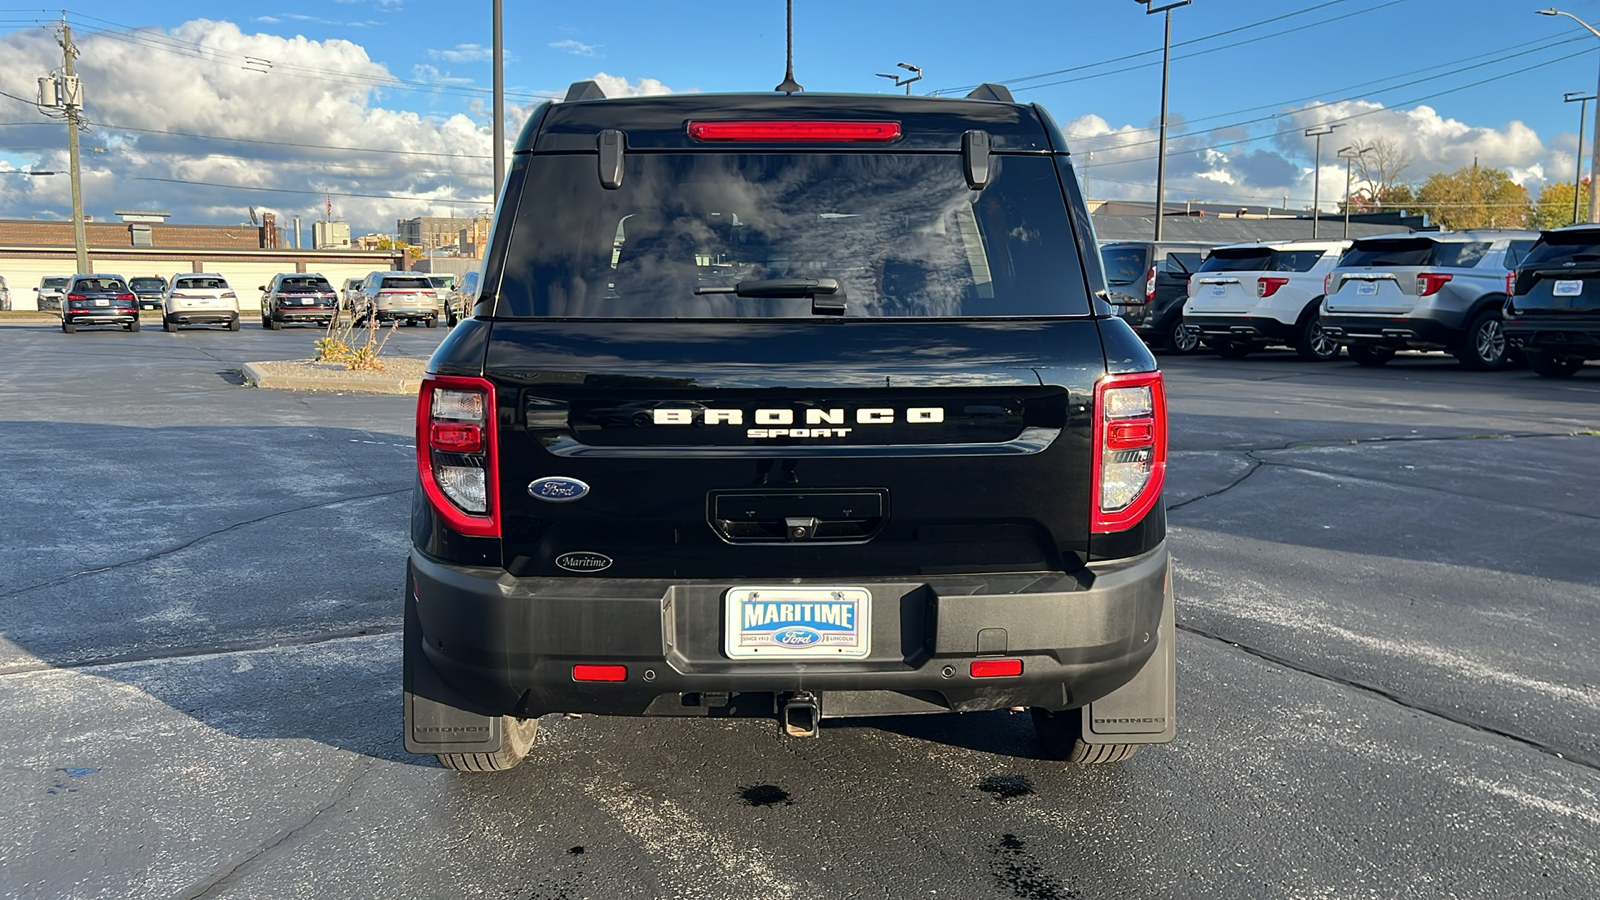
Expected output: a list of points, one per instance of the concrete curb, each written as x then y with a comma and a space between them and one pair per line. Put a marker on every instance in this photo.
365, 382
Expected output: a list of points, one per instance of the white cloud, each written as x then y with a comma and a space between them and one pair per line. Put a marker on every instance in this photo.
576, 48
462, 53
618, 86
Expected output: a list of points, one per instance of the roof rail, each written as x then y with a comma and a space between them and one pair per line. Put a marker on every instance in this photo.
584, 90
987, 91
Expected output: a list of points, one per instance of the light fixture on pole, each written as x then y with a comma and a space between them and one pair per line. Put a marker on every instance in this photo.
498, 66
1594, 164
1350, 154
1161, 150
906, 82
1316, 176
1582, 99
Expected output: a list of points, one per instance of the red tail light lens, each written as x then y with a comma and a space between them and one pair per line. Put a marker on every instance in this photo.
1150, 285
1511, 280
1130, 439
456, 452
1327, 282
77, 298
1269, 285
1429, 283
126, 298
780, 132
996, 668
599, 673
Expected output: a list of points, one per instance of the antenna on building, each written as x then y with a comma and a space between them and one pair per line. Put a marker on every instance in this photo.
253, 219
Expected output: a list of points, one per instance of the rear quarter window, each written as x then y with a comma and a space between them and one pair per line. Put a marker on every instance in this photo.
901, 233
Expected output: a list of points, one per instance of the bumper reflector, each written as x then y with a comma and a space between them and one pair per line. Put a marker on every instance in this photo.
996, 668
599, 673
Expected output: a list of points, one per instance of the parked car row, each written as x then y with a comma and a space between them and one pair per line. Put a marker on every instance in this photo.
1486, 297
204, 298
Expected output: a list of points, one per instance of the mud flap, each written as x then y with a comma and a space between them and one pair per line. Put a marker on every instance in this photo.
436, 717
1143, 711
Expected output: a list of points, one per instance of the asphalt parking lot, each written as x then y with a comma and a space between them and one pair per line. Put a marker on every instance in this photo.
1388, 656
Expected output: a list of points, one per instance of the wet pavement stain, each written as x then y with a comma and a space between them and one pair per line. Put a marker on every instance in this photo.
1017, 870
1006, 787
765, 795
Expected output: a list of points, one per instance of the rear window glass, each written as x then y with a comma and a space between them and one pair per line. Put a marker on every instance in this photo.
1260, 259
1415, 252
1124, 265
442, 281
55, 283
148, 284
99, 284
201, 284
1558, 249
304, 285
902, 235
406, 284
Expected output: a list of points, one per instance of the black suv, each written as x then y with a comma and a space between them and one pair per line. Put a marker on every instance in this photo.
789, 406
1149, 285
303, 298
151, 290
1553, 312
99, 300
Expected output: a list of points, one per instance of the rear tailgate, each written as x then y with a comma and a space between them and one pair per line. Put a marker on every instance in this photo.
894, 447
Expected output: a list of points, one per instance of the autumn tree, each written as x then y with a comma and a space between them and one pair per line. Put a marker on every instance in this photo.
1554, 207
1380, 169
1474, 197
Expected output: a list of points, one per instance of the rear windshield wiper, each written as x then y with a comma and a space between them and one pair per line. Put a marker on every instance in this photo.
826, 296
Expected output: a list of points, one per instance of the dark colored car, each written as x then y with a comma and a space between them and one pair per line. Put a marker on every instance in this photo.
885, 468
99, 300
1553, 312
151, 291
1149, 282
298, 299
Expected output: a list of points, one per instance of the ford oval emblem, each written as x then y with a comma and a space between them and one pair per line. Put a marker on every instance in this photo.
796, 637
558, 489
584, 561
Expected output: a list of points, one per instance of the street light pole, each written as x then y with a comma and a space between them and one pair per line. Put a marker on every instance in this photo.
1582, 100
1161, 151
1594, 164
1316, 176
904, 82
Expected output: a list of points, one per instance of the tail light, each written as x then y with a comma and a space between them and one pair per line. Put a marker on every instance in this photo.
126, 298
1511, 280
1150, 285
1269, 285
456, 452
77, 298
229, 295
1130, 440
1429, 283
1327, 283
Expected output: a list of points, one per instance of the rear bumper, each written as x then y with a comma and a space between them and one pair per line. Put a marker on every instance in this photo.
202, 317
102, 317
1565, 336
304, 314
1399, 332
386, 315
1256, 329
507, 646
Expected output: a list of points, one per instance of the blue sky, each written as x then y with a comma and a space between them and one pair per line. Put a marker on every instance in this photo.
1449, 79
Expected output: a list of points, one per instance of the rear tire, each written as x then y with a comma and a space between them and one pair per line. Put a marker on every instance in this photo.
167, 326
516, 737
1180, 340
69, 327
432, 323
274, 324
1368, 355
1314, 344
134, 325
233, 324
1484, 347
1061, 735
1549, 365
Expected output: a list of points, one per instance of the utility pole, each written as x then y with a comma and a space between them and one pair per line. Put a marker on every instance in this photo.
498, 54
71, 99
1577, 175
1161, 152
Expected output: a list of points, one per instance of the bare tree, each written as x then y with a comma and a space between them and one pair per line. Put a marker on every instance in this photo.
1382, 168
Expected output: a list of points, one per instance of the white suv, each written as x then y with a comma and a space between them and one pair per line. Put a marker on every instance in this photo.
1249, 296
199, 298
407, 297
1434, 291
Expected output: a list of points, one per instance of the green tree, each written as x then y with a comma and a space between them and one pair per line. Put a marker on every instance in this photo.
1398, 196
1554, 208
413, 252
1475, 197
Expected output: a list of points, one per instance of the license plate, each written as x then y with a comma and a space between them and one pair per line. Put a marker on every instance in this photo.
1568, 288
1218, 290
102, 301
1366, 288
306, 301
798, 623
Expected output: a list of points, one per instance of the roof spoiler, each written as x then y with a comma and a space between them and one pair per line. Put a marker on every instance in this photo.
996, 92
584, 90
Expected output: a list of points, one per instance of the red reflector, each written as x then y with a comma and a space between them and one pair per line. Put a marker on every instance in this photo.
456, 437
599, 673
996, 668
1130, 434
794, 131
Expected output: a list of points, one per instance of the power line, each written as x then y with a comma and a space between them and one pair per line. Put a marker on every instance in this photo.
213, 137
319, 193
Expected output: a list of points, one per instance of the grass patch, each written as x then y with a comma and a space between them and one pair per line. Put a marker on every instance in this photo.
339, 344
